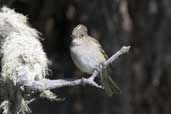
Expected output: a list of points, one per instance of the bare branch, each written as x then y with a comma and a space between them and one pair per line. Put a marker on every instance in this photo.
123, 50
46, 84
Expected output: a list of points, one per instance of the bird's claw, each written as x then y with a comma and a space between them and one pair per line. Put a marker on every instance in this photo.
100, 67
82, 81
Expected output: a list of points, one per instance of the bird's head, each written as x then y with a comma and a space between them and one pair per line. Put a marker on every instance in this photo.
79, 32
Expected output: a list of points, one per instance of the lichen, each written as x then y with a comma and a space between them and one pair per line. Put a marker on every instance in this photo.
20, 46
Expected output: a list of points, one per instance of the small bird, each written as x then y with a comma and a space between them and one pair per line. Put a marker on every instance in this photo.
87, 54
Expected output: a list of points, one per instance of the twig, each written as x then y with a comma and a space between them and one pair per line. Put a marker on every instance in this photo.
46, 84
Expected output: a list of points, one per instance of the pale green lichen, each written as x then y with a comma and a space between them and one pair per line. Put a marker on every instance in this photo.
20, 46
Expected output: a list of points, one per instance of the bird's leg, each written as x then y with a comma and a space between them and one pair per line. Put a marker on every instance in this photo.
100, 67
82, 79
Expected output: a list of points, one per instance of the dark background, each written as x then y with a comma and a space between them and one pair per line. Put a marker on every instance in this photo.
144, 75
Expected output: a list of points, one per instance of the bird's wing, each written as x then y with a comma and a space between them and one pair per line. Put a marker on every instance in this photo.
99, 46
102, 51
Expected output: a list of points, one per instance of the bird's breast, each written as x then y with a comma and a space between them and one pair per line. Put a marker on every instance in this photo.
86, 58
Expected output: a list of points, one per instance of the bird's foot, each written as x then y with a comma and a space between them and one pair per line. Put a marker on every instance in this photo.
83, 81
100, 67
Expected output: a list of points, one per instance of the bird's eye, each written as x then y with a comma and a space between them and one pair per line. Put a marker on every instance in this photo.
82, 35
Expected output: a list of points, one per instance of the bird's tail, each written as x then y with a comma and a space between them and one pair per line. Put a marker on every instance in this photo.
109, 85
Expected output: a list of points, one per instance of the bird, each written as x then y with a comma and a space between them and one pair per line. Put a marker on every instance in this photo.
87, 54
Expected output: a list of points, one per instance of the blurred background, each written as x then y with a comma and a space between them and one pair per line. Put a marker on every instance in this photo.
144, 75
